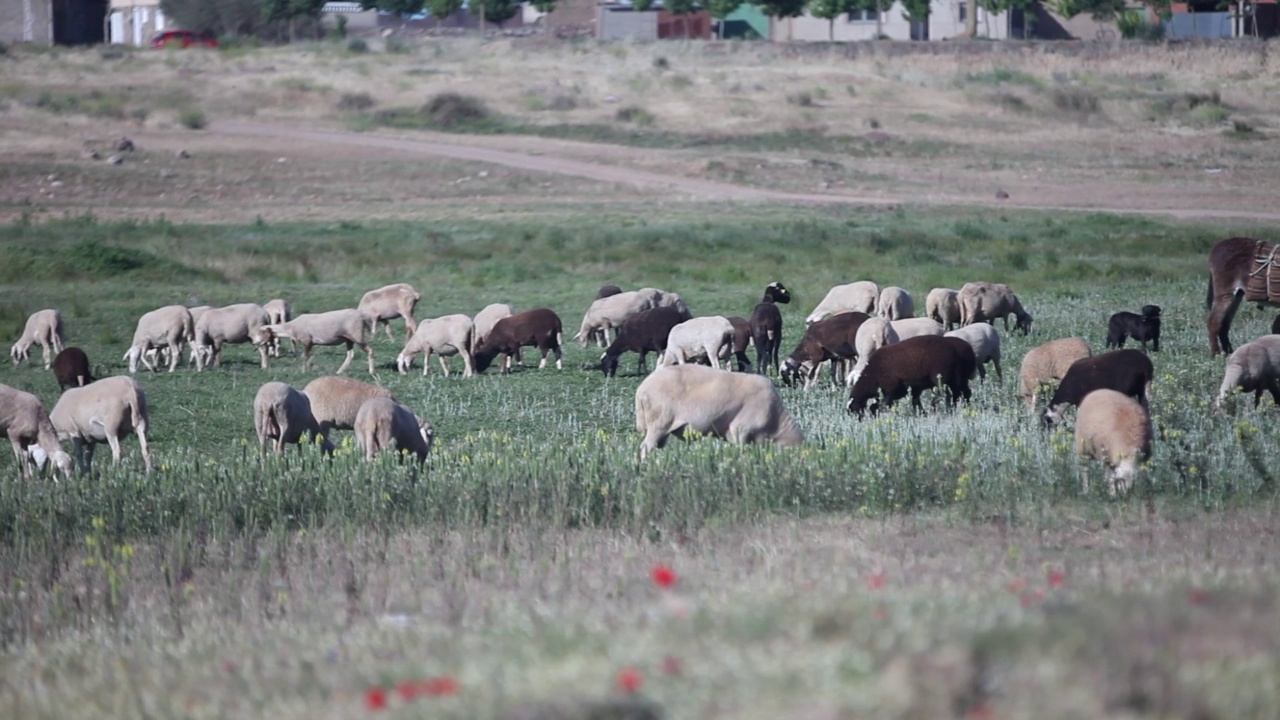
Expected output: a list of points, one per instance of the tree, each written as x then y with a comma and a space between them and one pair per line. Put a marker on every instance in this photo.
916, 11
876, 6
275, 11
829, 10
1100, 10
995, 7
721, 9
442, 9
783, 8
494, 11
680, 8
399, 8
546, 7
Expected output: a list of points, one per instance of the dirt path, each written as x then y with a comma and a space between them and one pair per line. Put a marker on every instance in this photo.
458, 148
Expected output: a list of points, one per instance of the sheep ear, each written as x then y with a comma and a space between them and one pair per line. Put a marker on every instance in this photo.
603, 356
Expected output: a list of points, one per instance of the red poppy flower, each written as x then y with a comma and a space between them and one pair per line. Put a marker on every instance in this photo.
629, 680
441, 686
1056, 578
663, 576
876, 580
407, 690
375, 698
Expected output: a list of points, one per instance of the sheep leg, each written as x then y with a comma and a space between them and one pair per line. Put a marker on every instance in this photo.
24, 466
306, 357
114, 441
45, 348
175, 355
262, 355
467, 368
141, 432
713, 354
444, 366
368, 351
543, 362
916, 392
559, 357
351, 353
506, 363
999, 374
84, 453
982, 372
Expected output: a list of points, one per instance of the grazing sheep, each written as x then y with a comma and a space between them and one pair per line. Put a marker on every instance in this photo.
448, 335
855, 297
24, 421
540, 328
102, 411
735, 407
872, 335
693, 340
916, 364
157, 355
985, 342
984, 302
1275, 326
335, 400
1253, 367
282, 414
642, 334
330, 328
71, 368
895, 304
766, 326
601, 338
387, 303
487, 318
1144, 328
916, 327
607, 313
1126, 371
163, 328
741, 341
43, 328
235, 324
382, 423
943, 305
278, 311
1047, 364
1114, 428
662, 298
832, 339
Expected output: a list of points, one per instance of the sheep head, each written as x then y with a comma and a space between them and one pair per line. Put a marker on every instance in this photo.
777, 292
609, 364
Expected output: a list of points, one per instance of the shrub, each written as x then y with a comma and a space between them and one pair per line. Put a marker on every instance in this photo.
193, 119
803, 98
1076, 100
448, 110
660, 63
398, 46
1010, 102
633, 114
357, 45
355, 102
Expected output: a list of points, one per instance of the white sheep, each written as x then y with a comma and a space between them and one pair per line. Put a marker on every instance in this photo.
43, 328
167, 328
985, 342
915, 327
335, 327
102, 411
610, 312
160, 355
873, 334
983, 301
1114, 428
738, 407
448, 335
895, 304
943, 305
486, 319
25, 422
662, 298
282, 414
389, 302
382, 423
1253, 367
855, 297
1047, 364
240, 323
710, 337
336, 400
278, 311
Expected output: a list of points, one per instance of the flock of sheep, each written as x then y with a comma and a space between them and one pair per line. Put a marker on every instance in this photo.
870, 338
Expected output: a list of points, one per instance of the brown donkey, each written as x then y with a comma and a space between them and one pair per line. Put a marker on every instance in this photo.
1240, 268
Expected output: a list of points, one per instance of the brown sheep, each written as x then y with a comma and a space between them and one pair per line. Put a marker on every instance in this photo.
916, 364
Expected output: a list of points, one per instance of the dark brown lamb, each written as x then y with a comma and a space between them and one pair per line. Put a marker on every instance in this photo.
832, 338
642, 333
540, 328
71, 368
1125, 371
916, 364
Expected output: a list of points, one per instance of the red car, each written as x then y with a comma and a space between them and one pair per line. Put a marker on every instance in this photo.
182, 39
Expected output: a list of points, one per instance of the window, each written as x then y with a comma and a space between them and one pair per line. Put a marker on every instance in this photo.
862, 15
964, 7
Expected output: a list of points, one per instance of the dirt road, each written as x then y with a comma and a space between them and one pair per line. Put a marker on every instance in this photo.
461, 147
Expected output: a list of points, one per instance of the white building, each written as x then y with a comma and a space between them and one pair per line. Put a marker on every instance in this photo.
946, 20
134, 22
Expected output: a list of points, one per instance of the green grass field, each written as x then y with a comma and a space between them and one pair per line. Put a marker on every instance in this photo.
225, 584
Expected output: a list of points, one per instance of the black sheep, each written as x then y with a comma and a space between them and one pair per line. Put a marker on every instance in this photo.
71, 368
766, 326
741, 340
642, 333
1126, 371
833, 338
540, 328
916, 364
1144, 328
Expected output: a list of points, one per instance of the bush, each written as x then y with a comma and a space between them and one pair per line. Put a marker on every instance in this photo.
802, 98
1076, 100
193, 119
355, 102
398, 46
448, 110
633, 114
357, 45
